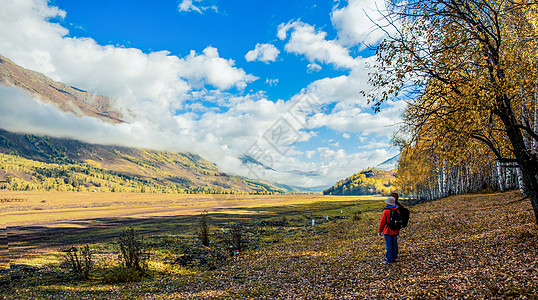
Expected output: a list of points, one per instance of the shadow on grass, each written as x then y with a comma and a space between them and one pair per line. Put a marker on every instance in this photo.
34, 240
25, 241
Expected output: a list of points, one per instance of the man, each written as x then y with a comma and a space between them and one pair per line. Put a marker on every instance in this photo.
391, 235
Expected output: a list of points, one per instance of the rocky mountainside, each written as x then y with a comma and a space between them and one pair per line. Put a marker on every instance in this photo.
67, 98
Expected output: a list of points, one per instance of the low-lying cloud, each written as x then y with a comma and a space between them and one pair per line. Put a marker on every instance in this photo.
196, 103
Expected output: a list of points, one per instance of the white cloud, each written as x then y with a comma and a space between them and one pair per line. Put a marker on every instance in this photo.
211, 69
305, 40
263, 52
346, 136
144, 85
356, 22
272, 82
27, 114
354, 119
313, 67
375, 145
150, 87
344, 89
187, 6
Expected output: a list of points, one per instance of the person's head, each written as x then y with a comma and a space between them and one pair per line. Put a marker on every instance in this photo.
390, 200
394, 195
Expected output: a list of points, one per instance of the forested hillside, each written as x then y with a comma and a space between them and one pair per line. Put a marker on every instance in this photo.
30, 162
367, 182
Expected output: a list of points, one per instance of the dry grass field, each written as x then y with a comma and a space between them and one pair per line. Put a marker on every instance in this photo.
39, 223
37, 208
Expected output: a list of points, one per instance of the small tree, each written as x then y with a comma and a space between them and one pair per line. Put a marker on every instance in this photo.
236, 236
204, 228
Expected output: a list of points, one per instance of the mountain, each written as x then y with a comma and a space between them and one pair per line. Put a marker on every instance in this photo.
367, 182
66, 98
29, 161
389, 164
248, 160
42, 163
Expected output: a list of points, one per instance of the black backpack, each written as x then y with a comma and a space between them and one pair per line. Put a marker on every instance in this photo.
398, 218
404, 214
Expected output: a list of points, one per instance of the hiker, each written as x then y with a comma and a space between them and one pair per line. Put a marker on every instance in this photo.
396, 196
391, 235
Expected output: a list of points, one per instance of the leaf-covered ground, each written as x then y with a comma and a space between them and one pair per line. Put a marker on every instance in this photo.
471, 246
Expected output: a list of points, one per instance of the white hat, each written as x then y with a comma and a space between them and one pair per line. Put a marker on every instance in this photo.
390, 201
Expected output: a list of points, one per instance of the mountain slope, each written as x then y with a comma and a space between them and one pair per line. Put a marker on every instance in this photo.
389, 164
66, 98
31, 161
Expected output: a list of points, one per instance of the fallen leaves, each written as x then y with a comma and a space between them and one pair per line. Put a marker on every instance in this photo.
462, 247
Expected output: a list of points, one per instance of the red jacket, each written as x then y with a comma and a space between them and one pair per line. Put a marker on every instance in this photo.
383, 223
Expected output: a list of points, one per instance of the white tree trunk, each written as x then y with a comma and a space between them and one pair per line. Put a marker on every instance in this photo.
500, 177
521, 184
443, 180
535, 125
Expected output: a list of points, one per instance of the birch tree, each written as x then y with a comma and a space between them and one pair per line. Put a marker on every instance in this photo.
457, 63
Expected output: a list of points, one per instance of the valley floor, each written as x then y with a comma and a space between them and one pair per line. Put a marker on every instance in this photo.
469, 246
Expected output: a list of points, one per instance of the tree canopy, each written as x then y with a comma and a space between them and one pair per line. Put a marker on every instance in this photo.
468, 69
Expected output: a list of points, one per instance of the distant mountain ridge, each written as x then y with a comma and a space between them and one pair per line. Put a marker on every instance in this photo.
389, 164
66, 98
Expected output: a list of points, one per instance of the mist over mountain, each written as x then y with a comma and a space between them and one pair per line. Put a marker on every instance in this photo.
65, 160
66, 98
90, 133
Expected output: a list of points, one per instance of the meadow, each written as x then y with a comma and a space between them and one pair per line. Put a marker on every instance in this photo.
452, 249
43, 222
20, 208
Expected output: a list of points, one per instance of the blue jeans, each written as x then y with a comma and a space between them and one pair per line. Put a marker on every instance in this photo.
391, 241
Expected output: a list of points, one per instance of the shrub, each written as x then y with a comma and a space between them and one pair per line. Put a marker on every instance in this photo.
195, 254
204, 228
132, 254
79, 262
236, 236
284, 221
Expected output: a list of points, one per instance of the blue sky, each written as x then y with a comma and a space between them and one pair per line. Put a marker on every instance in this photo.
214, 77
234, 28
